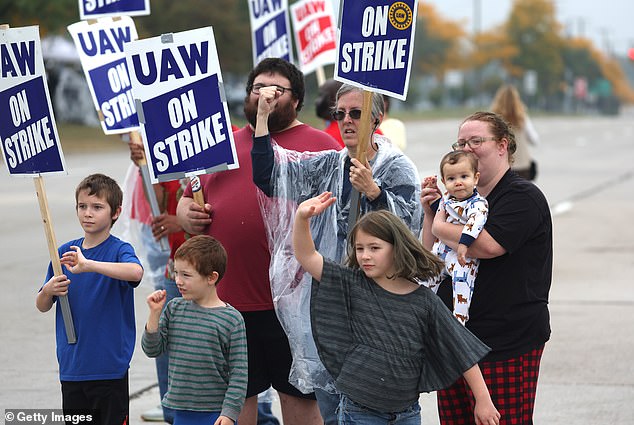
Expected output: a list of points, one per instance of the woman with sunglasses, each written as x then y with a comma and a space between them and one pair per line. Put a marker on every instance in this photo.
387, 180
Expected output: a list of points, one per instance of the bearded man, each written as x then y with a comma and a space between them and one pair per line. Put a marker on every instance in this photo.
232, 215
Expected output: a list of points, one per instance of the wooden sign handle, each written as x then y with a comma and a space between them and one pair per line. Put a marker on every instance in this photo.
150, 195
365, 126
197, 191
365, 134
321, 75
71, 337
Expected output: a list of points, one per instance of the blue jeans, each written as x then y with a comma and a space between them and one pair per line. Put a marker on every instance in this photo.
189, 417
351, 413
162, 361
328, 404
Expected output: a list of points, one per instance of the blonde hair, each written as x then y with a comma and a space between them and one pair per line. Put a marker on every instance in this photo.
507, 103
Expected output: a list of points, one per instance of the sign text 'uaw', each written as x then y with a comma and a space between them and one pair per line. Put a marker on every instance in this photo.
28, 134
270, 30
100, 46
375, 47
181, 104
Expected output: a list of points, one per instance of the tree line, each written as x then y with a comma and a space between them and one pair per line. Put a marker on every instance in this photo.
530, 40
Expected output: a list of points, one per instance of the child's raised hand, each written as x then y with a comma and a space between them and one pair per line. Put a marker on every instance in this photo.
315, 206
156, 300
75, 261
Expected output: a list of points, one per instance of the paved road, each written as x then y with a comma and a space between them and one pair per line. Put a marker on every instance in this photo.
586, 171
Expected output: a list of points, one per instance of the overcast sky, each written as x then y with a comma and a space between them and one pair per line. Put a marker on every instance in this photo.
606, 22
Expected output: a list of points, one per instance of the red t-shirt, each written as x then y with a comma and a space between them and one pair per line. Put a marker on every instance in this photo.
237, 220
173, 192
333, 129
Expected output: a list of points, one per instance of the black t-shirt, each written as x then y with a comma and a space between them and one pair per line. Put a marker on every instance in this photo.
509, 309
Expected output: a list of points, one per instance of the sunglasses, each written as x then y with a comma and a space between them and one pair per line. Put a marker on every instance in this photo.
340, 115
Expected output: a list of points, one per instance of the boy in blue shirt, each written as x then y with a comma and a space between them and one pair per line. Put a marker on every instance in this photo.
101, 274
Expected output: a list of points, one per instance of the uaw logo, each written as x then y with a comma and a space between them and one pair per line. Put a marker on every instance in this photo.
400, 15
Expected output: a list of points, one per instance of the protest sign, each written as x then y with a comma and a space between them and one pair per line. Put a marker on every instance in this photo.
315, 33
180, 101
28, 133
376, 41
270, 31
91, 9
30, 143
100, 46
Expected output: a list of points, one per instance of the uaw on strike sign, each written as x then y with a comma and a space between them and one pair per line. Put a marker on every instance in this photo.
28, 134
270, 32
181, 105
315, 33
376, 42
100, 46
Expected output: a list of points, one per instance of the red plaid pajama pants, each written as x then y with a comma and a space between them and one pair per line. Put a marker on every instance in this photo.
512, 384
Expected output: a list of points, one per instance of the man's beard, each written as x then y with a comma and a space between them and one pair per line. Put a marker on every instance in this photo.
280, 118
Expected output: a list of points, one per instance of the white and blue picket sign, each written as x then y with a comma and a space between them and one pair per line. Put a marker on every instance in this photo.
376, 42
30, 143
180, 101
100, 46
270, 30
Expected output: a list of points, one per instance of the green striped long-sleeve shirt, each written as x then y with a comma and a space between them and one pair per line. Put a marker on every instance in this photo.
208, 357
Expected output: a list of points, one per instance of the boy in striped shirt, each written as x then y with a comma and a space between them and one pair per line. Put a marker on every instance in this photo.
205, 338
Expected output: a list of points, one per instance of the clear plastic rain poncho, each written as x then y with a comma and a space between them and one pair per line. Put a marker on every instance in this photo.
299, 176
